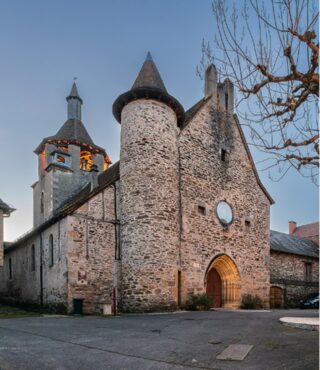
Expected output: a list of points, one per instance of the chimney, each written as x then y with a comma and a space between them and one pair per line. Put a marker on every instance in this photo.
210, 81
292, 227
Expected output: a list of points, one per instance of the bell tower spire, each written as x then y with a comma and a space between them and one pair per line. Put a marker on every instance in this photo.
68, 161
74, 103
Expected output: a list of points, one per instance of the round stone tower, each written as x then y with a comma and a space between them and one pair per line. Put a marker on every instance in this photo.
149, 192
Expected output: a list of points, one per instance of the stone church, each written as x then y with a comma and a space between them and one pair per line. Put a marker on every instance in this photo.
183, 211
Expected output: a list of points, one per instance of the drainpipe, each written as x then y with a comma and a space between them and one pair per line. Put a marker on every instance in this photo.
117, 255
179, 203
117, 251
41, 270
180, 228
114, 296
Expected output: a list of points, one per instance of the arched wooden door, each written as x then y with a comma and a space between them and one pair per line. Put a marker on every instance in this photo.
214, 287
276, 297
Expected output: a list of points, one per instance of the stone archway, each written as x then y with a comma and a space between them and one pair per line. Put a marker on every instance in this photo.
230, 279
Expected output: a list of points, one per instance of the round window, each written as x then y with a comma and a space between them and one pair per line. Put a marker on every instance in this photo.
224, 212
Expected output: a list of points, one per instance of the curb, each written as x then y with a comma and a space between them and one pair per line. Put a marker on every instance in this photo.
305, 323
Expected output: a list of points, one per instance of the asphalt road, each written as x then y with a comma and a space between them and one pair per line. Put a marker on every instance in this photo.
185, 340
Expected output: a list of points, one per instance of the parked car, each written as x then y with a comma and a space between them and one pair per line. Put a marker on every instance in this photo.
311, 301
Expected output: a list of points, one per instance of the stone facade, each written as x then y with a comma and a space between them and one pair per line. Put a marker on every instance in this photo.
91, 252
31, 277
288, 272
83, 260
205, 180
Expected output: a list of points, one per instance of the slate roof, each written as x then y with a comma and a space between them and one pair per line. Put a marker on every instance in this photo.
285, 243
149, 76
191, 112
105, 179
148, 85
74, 93
74, 131
5, 208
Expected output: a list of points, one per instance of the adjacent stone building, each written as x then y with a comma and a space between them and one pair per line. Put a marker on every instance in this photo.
5, 211
294, 268
183, 211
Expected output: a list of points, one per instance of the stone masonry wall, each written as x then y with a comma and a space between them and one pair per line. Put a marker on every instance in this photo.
206, 180
149, 206
91, 252
25, 284
288, 272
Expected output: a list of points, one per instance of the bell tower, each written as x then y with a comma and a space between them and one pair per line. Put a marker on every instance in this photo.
149, 192
68, 161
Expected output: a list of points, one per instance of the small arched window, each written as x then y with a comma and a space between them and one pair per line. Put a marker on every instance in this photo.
51, 254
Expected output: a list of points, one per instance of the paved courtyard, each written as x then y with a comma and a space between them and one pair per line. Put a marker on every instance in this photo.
185, 340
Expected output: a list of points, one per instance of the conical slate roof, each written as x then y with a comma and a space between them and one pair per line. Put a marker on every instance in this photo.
72, 131
149, 76
148, 85
5, 208
74, 93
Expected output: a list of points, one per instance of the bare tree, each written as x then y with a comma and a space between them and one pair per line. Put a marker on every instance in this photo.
269, 49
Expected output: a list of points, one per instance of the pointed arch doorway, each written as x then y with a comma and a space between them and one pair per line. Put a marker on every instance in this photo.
223, 282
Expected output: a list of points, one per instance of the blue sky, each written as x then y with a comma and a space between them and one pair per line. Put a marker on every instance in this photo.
44, 44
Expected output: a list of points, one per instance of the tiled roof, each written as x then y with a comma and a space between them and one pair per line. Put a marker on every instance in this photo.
310, 231
281, 242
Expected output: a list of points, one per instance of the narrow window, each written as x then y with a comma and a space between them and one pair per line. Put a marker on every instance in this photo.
42, 202
33, 258
202, 210
223, 154
226, 98
247, 222
308, 271
51, 259
10, 269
